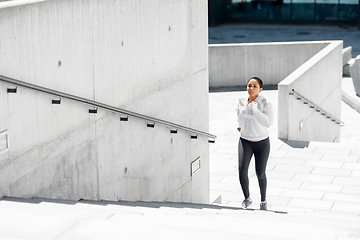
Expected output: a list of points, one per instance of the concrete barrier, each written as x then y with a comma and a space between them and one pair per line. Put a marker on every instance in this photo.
319, 81
313, 69
347, 61
355, 74
346, 53
231, 65
142, 56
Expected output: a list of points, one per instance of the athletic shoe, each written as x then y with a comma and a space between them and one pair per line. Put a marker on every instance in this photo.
263, 206
246, 203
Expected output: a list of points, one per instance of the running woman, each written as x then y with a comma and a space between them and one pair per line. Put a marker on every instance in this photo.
255, 115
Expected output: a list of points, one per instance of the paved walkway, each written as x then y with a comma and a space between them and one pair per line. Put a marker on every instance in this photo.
308, 177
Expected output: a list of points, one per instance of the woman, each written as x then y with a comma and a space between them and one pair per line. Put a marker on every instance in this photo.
255, 116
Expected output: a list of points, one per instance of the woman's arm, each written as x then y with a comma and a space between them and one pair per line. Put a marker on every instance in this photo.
238, 107
266, 116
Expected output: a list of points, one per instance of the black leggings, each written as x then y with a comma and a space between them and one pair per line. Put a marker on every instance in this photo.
261, 150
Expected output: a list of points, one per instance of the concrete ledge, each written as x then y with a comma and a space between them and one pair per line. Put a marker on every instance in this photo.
346, 55
355, 74
349, 95
346, 68
354, 102
18, 3
297, 122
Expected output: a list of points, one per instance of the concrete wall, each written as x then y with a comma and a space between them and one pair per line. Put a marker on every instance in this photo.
354, 70
347, 61
145, 56
319, 81
231, 65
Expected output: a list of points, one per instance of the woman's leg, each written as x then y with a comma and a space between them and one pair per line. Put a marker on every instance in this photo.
261, 152
244, 155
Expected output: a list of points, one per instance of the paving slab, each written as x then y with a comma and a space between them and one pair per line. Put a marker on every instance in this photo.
327, 187
331, 171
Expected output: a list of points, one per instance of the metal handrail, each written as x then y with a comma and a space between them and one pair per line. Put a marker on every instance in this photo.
317, 108
104, 106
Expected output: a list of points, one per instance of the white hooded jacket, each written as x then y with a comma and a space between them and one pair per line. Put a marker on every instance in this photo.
255, 119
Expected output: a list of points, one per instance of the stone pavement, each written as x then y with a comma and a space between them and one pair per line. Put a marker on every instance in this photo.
306, 177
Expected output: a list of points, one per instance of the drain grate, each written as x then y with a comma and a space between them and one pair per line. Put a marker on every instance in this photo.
216, 38
303, 33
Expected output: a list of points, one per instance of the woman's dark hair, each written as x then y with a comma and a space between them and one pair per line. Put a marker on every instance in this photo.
260, 82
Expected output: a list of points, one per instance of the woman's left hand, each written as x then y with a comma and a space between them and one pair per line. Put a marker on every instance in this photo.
253, 105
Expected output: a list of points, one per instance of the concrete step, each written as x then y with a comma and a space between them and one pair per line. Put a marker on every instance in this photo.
49, 219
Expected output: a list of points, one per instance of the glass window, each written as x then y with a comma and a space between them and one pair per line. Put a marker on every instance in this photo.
349, 2
250, 9
280, 9
308, 10
327, 10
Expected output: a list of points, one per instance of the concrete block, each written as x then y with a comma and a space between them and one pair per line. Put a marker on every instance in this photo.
346, 55
297, 119
95, 50
355, 74
346, 68
346, 58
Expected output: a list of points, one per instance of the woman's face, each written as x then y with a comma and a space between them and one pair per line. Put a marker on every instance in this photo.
253, 88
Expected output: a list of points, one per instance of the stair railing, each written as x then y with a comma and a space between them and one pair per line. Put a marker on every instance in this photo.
173, 126
317, 108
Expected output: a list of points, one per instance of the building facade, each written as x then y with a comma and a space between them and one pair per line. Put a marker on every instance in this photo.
285, 11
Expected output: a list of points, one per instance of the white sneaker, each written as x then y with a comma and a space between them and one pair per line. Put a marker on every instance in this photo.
246, 203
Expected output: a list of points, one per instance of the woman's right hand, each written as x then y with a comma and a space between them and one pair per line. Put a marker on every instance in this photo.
239, 129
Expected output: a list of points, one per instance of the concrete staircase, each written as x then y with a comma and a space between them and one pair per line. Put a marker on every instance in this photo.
313, 193
35, 219
316, 183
